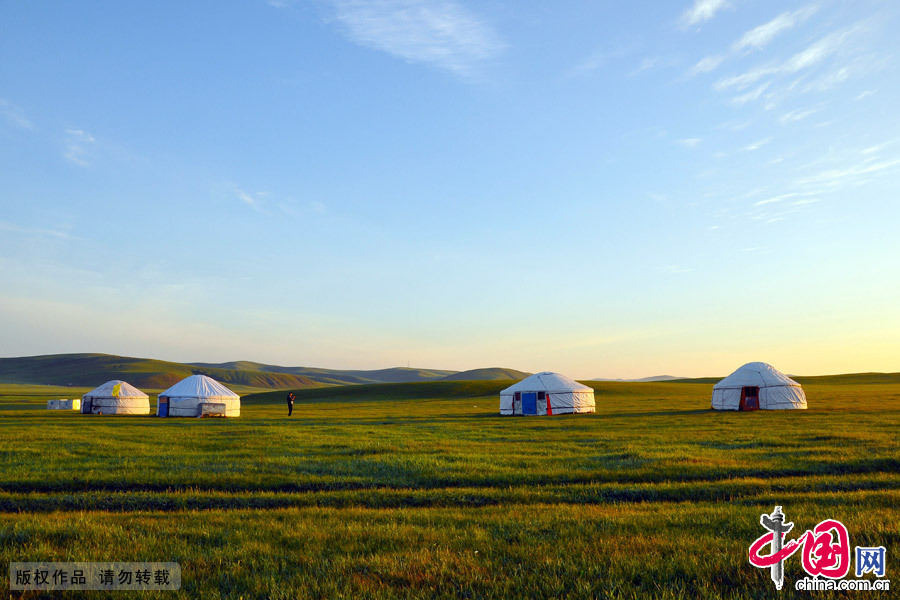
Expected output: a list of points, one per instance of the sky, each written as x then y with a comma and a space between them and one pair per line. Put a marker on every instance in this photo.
604, 189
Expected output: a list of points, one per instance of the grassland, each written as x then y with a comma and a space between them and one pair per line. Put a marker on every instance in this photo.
421, 490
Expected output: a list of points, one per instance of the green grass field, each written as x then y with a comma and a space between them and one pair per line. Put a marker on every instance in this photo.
422, 490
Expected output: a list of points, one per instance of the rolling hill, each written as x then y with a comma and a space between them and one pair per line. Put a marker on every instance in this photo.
89, 370
653, 379
845, 379
336, 376
489, 374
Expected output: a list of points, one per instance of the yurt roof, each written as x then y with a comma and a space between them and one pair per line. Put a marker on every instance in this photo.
198, 386
758, 374
108, 390
547, 382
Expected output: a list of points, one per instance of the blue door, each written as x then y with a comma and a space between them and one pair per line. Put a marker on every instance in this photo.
529, 403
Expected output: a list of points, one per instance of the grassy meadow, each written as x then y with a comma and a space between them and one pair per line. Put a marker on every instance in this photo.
422, 490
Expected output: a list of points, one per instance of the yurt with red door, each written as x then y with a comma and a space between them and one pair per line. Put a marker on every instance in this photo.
758, 386
546, 394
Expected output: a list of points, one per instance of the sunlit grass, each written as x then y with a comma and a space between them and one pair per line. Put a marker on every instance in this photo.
422, 490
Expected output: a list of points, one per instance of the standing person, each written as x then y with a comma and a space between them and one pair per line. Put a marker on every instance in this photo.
290, 401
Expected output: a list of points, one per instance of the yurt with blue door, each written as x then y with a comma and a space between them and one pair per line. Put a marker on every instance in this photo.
546, 394
191, 396
758, 386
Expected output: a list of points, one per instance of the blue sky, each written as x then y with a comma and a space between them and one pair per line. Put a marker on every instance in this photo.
606, 189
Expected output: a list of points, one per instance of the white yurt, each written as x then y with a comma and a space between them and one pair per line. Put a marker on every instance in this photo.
185, 398
758, 385
546, 394
115, 397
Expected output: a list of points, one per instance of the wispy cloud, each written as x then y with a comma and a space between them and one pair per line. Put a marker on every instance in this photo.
762, 76
36, 231
77, 147
688, 142
756, 145
297, 210
13, 115
861, 171
646, 64
819, 51
601, 58
760, 37
755, 39
439, 33
798, 115
776, 199
705, 65
751, 95
253, 200
702, 11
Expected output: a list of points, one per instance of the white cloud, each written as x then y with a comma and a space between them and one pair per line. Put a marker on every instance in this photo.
439, 33
813, 55
36, 231
600, 58
797, 115
874, 149
702, 11
689, 142
817, 52
744, 80
751, 95
705, 65
78, 146
865, 94
776, 199
836, 177
830, 80
254, 201
247, 199
302, 211
756, 145
756, 38
14, 115
646, 64
761, 36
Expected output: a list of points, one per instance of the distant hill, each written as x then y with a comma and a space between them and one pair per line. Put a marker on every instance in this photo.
89, 370
643, 379
93, 369
490, 374
338, 377
846, 379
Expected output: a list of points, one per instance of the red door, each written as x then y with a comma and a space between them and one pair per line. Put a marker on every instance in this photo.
750, 398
